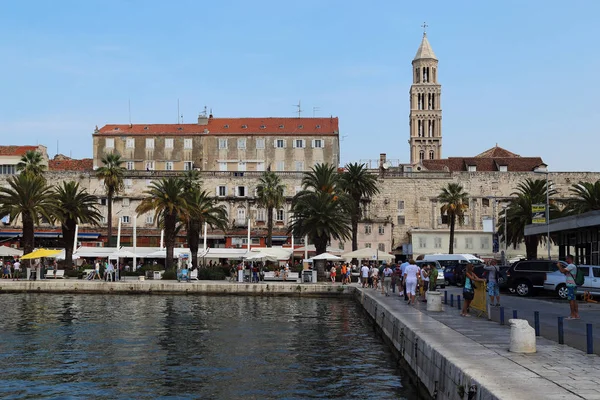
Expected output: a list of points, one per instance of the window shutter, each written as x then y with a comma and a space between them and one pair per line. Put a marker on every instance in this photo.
294, 143
275, 143
217, 192
322, 143
312, 144
303, 143
284, 143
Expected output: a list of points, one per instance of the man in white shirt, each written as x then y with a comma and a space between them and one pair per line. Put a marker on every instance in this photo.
17, 267
364, 274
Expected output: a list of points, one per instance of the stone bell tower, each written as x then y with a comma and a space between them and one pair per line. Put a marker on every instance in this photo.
425, 106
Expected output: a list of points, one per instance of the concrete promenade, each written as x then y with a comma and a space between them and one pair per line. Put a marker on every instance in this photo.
450, 354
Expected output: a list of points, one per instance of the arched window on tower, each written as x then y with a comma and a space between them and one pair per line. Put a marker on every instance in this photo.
421, 155
419, 101
434, 75
431, 155
420, 128
424, 74
430, 128
431, 101
417, 77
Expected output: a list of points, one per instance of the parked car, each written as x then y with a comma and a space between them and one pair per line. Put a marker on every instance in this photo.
555, 281
441, 281
525, 276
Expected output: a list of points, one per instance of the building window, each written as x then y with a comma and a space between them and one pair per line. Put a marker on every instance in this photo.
468, 243
169, 165
241, 166
149, 165
341, 246
241, 144
400, 204
368, 245
437, 242
472, 168
222, 144
8, 169
130, 165
280, 165
260, 166
221, 191
148, 182
503, 168
485, 202
318, 144
109, 143
299, 165
381, 229
241, 191
128, 183
299, 143
280, 215
125, 201
422, 243
241, 216
279, 143
260, 143
381, 246
260, 214
149, 219
222, 166
149, 143
368, 229
187, 144
431, 155
188, 165
401, 220
421, 155
485, 242
168, 143
466, 220
130, 143
125, 219
103, 201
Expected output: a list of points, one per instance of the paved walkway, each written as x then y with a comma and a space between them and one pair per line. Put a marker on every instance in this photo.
480, 348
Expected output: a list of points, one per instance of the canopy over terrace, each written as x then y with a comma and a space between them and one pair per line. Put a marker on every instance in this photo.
369, 254
6, 251
311, 249
281, 253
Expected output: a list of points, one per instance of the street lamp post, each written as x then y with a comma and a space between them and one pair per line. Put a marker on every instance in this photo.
545, 171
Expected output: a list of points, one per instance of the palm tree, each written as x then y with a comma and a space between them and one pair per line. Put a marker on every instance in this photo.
321, 177
269, 195
519, 213
73, 205
29, 197
111, 172
587, 197
454, 204
358, 183
31, 163
202, 209
166, 198
321, 216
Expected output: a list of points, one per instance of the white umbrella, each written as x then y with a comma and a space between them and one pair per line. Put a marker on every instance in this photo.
327, 256
123, 254
369, 254
6, 251
261, 257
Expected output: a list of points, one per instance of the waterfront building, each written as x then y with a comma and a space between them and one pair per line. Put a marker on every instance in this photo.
11, 155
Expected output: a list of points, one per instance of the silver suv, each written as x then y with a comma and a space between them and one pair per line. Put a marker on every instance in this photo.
555, 281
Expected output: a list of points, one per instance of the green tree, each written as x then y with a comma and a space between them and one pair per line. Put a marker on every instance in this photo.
202, 208
31, 163
73, 205
518, 214
586, 198
454, 204
319, 211
358, 183
269, 195
111, 172
29, 197
166, 197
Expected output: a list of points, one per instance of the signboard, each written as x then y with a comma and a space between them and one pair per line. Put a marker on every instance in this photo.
538, 213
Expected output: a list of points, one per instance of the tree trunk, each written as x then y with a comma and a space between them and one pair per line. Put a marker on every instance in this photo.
269, 242
28, 235
354, 233
452, 226
68, 232
320, 247
193, 238
170, 222
109, 198
531, 247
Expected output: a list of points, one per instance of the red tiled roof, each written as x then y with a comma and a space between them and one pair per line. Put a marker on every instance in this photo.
456, 164
497, 152
86, 164
16, 150
231, 126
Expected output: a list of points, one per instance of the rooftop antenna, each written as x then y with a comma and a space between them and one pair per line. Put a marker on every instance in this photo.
129, 102
56, 146
315, 110
299, 108
204, 111
178, 111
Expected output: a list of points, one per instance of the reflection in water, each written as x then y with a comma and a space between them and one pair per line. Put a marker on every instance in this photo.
95, 346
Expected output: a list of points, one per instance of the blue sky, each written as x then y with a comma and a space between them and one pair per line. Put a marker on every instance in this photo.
523, 74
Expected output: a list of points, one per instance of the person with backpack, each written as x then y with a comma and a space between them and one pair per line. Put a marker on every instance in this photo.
572, 276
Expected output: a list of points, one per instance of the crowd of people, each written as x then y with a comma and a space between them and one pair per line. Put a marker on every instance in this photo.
10, 270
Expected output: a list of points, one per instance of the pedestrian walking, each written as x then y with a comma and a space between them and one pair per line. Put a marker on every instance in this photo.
364, 274
403, 271
386, 280
570, 272
17, 268
493, 290
425, 281
332, 273
411, 274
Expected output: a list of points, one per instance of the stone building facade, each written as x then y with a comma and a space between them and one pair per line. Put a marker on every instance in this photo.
11, 155
222, 144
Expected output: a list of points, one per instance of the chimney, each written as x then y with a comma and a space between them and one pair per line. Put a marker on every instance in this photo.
202, 119
382, 159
